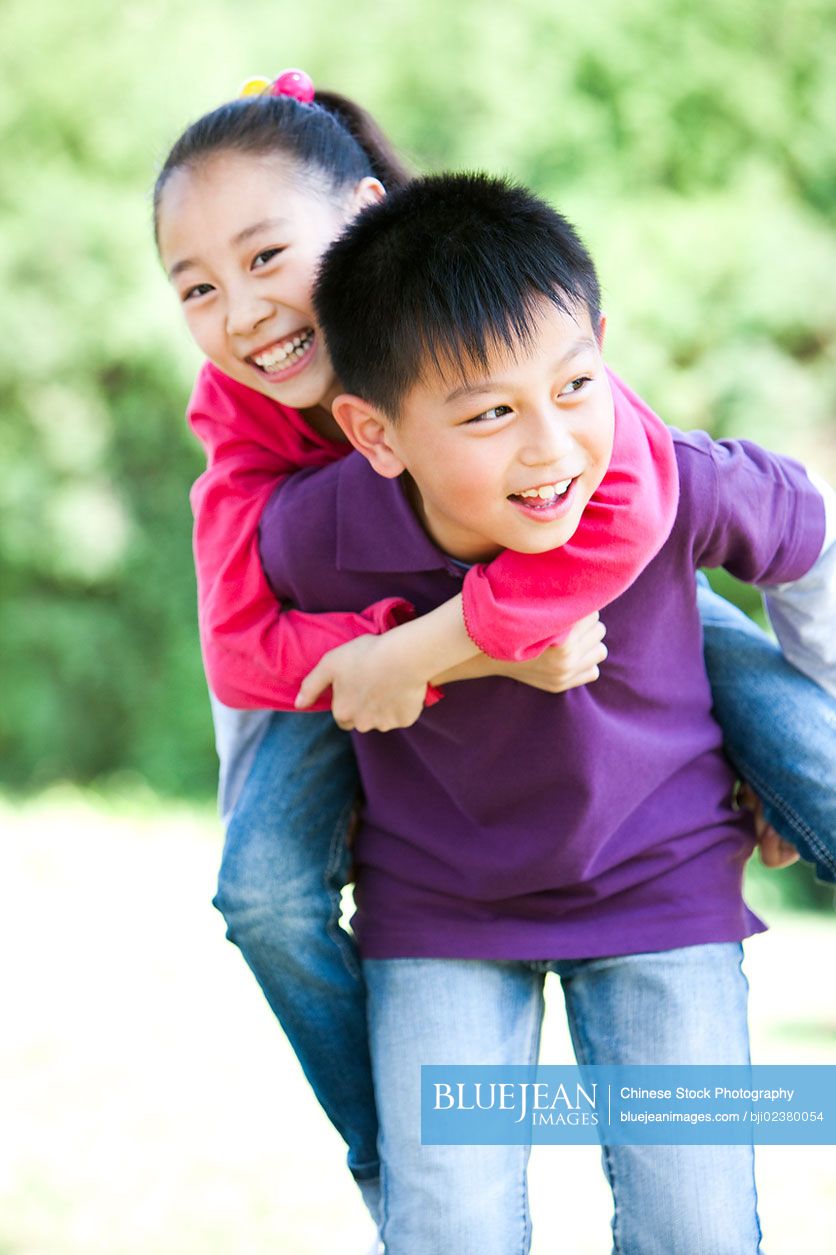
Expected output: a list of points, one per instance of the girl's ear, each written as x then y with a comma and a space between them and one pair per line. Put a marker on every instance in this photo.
602, 330
367, 192
367, 429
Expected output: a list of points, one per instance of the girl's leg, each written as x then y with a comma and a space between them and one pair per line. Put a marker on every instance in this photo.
677, 1006
284, 864
440, 1199
779, 729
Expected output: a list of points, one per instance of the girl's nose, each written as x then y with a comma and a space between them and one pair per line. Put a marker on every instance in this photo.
245, 311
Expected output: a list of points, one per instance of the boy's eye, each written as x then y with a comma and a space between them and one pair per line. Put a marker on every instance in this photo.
575, 385
262, 258
199, 289
487, 416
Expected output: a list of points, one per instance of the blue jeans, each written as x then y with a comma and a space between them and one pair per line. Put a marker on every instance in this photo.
779, 729
677, 1006
285, 860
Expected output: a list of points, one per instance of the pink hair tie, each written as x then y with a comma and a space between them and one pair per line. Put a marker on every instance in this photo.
295, 83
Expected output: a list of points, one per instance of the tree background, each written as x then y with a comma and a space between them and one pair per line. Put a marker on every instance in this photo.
692, 145
149, 1101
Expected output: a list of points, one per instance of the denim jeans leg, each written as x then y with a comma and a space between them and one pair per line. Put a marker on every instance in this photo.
676, 1006
779, 729
284, 864
436, 1200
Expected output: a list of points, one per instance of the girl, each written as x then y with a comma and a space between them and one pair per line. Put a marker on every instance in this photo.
246, 203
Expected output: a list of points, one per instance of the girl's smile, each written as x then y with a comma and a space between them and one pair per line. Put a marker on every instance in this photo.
285, 358
241, 238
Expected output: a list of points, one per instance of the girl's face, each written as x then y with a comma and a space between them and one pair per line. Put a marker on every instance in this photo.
240, 238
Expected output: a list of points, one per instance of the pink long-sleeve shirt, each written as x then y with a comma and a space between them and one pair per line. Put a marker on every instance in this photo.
256, 652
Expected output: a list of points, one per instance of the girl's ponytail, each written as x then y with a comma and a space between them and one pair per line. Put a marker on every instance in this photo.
332, 138
385, 162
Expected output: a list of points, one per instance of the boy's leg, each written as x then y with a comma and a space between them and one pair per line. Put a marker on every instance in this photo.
470, 1200
284, 864
677, 1006
779, 729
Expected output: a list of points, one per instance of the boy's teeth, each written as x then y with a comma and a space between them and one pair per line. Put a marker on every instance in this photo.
547, 491
285, 353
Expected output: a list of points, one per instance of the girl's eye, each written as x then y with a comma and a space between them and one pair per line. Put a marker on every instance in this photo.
262, 258
487, 416
575, 385
199, 289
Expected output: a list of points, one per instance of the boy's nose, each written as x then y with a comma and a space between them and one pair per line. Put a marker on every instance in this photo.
546, 439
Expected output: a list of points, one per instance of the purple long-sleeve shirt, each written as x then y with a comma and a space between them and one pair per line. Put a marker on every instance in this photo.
509, 823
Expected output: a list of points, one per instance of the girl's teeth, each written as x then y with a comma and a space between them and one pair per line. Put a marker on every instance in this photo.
286, 353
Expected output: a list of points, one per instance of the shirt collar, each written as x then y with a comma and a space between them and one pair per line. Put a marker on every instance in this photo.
376, 527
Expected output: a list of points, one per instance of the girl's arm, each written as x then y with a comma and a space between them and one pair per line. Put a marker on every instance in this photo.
520, 604
371, 692
255, 653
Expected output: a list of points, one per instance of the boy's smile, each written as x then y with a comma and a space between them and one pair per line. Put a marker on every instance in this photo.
508, 456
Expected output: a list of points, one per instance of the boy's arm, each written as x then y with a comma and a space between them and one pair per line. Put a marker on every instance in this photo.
803, 611
760, 516
753, 512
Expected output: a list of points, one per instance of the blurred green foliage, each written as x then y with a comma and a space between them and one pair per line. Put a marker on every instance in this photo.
693, 145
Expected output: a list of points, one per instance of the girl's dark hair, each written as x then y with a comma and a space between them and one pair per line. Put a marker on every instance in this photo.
333, 138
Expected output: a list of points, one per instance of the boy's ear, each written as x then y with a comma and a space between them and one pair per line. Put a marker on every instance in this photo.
602, 329
367, 429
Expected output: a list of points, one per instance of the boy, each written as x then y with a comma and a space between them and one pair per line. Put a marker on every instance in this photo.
510, 832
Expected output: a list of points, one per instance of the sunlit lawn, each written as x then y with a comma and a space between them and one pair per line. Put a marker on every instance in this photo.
150, 1106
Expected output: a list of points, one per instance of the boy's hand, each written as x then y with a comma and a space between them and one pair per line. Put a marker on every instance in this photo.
373, 687
774, 850
565, 666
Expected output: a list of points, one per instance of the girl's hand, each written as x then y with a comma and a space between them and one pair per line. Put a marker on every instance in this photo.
557, 669
380, 682
373, 682
565, 666
774, 850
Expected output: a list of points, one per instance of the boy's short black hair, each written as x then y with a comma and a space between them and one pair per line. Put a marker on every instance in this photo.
442, 271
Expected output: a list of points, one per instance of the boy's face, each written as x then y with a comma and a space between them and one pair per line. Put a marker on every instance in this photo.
510, 458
